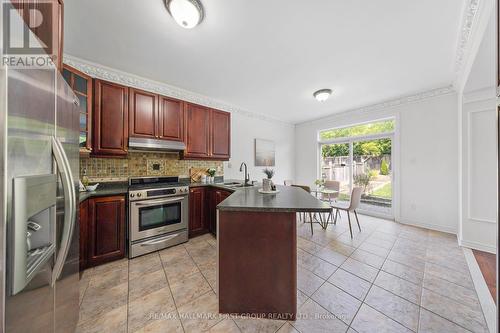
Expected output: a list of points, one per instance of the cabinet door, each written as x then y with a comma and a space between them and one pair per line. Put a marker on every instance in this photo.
197, 131
110, 119
216, 197
84, 211
198, 223
106, 228
220, 134
143, 114
171, 119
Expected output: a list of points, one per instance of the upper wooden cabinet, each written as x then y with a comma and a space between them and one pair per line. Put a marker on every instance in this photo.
220, 134
110, 136
143, 107
197, 131
208, 133
82, 87
171, 119
50, 32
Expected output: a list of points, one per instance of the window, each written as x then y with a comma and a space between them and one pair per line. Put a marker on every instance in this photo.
360, 156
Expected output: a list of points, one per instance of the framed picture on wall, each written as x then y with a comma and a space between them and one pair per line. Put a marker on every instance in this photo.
264, 152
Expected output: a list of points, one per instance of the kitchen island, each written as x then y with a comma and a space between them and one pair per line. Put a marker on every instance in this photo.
257, 251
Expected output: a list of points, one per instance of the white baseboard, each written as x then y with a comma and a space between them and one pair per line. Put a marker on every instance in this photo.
437, 227
477, 246
483, 293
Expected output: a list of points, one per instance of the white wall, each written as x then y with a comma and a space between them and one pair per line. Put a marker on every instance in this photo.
425, 158
244, 130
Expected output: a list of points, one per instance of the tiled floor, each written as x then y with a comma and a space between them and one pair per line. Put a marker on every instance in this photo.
389, 278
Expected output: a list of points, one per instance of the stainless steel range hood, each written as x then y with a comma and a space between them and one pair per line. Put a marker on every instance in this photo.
142, 144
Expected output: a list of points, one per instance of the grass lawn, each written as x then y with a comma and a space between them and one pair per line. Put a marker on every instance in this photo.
383, 192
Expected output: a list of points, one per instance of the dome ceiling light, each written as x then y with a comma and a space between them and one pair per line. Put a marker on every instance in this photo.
322, 95
187, 13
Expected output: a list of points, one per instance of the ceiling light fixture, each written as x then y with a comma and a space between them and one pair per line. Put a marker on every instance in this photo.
322, 95
187, 13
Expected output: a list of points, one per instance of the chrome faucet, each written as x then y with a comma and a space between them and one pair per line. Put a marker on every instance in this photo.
247, 176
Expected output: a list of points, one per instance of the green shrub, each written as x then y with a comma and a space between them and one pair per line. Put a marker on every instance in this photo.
384, 168
363, 180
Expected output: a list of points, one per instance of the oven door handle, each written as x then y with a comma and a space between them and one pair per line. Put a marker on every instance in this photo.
158, 202
160, 240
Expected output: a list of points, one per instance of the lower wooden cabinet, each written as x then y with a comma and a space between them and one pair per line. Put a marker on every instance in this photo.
216, 197
102, 230
203, 203
198, 222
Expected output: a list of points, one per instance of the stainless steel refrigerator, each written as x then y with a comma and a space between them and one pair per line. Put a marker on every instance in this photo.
39, 161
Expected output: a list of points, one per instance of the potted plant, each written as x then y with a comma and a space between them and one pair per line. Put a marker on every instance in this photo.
211, 174
319, 183
267, 183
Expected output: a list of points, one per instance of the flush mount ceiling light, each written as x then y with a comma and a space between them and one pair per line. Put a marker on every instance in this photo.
322, 95
187, 13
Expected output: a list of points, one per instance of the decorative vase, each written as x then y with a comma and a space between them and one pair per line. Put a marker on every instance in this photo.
267, 184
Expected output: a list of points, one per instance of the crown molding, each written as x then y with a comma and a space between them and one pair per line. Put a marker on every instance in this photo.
408, 99
113, 75
470, 11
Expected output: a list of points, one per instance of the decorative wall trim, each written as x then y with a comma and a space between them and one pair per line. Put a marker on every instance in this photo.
477, 246
480, 95
113, 75
470, 11
407, 99
469, 164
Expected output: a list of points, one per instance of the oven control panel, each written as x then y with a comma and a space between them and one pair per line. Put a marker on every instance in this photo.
157, 192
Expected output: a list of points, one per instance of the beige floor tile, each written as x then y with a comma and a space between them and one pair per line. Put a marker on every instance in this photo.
307, 245
368, 258
201, 313
465, 316
403, 271
287, 328
143, 265
312, 318
192, 287
350, 283
432, 323
407, 260
180, 271
111, 276
454, 291
225, 326
462, 279
258, 325
374, 249
301, 298
360, 269
369, 320
148, 283
399, 286
109, 322
98, 301
314, 264
394, 307
144, 310
332, 256
168, 323
173, 254
337, 302
307, 281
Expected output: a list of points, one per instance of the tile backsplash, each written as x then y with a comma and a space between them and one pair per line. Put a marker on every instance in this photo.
142, 164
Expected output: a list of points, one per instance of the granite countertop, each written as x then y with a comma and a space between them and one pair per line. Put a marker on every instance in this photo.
105, 189
289, 199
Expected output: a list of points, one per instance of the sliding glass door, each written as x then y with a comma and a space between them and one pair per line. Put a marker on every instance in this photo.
361, 156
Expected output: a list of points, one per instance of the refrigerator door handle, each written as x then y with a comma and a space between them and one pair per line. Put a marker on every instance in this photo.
69, 206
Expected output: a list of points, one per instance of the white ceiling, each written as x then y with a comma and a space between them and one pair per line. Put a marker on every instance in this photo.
269, 57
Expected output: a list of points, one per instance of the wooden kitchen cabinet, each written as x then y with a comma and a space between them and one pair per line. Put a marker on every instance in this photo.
197, 132
143, 108
50, 32
220, 135
105, 229
208, 133
171, 119
198, 217
216, 197
110, 136
83, 215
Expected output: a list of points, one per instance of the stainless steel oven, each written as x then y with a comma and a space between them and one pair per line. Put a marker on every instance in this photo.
158, 218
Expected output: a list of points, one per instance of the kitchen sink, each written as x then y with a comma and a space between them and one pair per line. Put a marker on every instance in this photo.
232, 184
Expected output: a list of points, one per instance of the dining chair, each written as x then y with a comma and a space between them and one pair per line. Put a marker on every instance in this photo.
333, 185
288, 182
302, 216
351, 207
